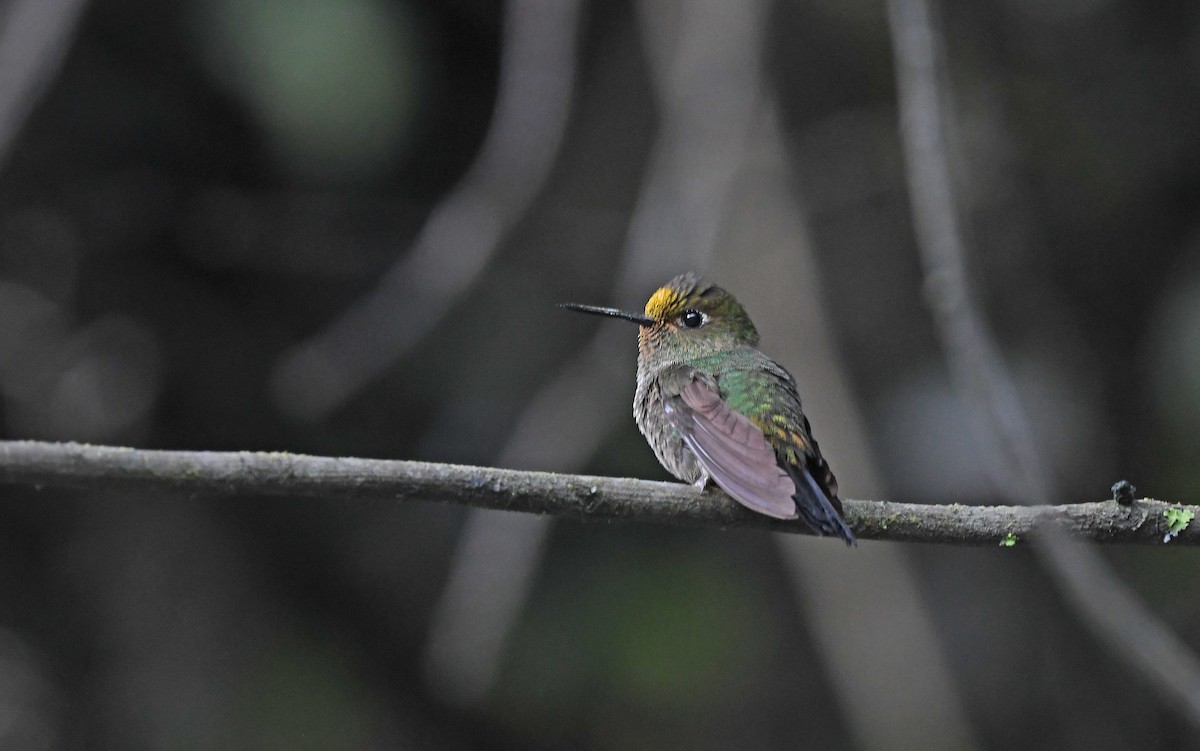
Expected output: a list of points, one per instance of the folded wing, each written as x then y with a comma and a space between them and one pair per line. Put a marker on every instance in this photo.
732, 449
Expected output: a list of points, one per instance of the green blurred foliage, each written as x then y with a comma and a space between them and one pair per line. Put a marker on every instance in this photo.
302, 695
331, 82
680, 632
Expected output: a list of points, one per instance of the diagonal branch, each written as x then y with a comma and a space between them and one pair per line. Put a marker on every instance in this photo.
464, 231
1109, 607
74, 465
34, 38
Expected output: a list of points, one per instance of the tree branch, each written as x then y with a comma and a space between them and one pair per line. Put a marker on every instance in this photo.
73, 465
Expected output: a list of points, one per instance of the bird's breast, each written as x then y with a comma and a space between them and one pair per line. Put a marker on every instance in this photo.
649, 411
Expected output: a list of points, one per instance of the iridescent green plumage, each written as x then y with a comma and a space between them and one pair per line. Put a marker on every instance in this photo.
712, 406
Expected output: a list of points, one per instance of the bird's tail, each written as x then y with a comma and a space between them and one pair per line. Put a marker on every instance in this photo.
820, 509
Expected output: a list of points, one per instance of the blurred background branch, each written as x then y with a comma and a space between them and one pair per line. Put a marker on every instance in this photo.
706, 89
585, 497
771, 238
1104, 603
34, 37
537, 79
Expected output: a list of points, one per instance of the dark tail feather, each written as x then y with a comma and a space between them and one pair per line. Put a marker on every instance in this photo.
818, 509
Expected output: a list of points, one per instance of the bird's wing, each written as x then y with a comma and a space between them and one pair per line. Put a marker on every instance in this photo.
775, 409
731, 448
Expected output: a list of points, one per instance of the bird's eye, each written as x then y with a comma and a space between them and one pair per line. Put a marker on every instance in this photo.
692, 319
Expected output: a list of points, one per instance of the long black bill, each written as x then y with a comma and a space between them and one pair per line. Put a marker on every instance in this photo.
637, 318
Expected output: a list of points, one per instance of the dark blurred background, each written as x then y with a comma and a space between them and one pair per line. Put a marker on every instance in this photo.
340, 227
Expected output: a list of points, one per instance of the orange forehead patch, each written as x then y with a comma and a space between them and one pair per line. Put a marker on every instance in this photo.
663, 303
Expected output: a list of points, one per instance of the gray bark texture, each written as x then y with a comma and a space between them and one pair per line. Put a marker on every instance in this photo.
86, 467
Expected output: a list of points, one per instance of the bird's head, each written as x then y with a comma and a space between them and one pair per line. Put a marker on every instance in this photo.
687, 316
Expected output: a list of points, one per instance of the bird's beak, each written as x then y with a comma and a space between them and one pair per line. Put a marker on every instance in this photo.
637, 318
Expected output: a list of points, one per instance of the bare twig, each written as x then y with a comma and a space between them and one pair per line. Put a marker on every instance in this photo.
75, 465
1107, 605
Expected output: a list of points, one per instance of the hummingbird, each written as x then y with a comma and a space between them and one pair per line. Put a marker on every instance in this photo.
715, 408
